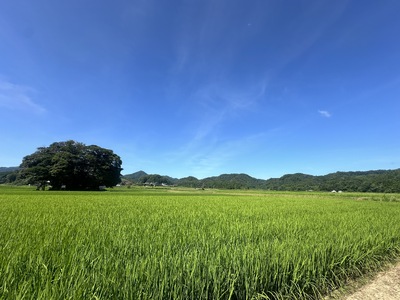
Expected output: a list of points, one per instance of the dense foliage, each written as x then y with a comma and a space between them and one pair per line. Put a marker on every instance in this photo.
8, 169
142, 178
8, 174
382, 181
72, 165
155, 243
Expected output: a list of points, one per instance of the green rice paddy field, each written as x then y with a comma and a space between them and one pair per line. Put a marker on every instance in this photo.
149, 243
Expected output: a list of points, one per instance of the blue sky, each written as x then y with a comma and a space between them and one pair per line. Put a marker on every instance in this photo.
202, 88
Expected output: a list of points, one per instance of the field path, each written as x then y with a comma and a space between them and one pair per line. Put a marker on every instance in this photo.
385, 286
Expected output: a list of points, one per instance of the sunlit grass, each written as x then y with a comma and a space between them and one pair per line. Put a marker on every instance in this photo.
189, 244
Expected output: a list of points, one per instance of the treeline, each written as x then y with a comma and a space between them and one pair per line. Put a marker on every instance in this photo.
8, 174
380, 181
230, 181
225, 181
142, 178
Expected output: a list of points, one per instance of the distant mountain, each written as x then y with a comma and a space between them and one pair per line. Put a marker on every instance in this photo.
189, 181
142, 177
8, 169
233, 181
383, 181
135, 176
224, 181
8, 174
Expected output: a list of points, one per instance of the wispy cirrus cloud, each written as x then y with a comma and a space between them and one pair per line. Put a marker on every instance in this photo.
207, 149
219, 103
216, 155
221, 155
17, 97
325, 113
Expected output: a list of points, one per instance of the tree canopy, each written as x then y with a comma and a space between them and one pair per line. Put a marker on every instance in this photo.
73, 166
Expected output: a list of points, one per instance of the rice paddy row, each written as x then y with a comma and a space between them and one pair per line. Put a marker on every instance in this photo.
174, 244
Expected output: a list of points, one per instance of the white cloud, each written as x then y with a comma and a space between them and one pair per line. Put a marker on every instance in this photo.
325, 113
16, 97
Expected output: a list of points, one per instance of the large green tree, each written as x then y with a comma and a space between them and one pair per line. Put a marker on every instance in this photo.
72, 165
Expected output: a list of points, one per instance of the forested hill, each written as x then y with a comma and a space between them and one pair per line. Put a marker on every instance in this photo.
385, 181
8, 169
8, 174
224, 181
135, 176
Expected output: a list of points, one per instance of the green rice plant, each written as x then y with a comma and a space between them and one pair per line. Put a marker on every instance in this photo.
189, 244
